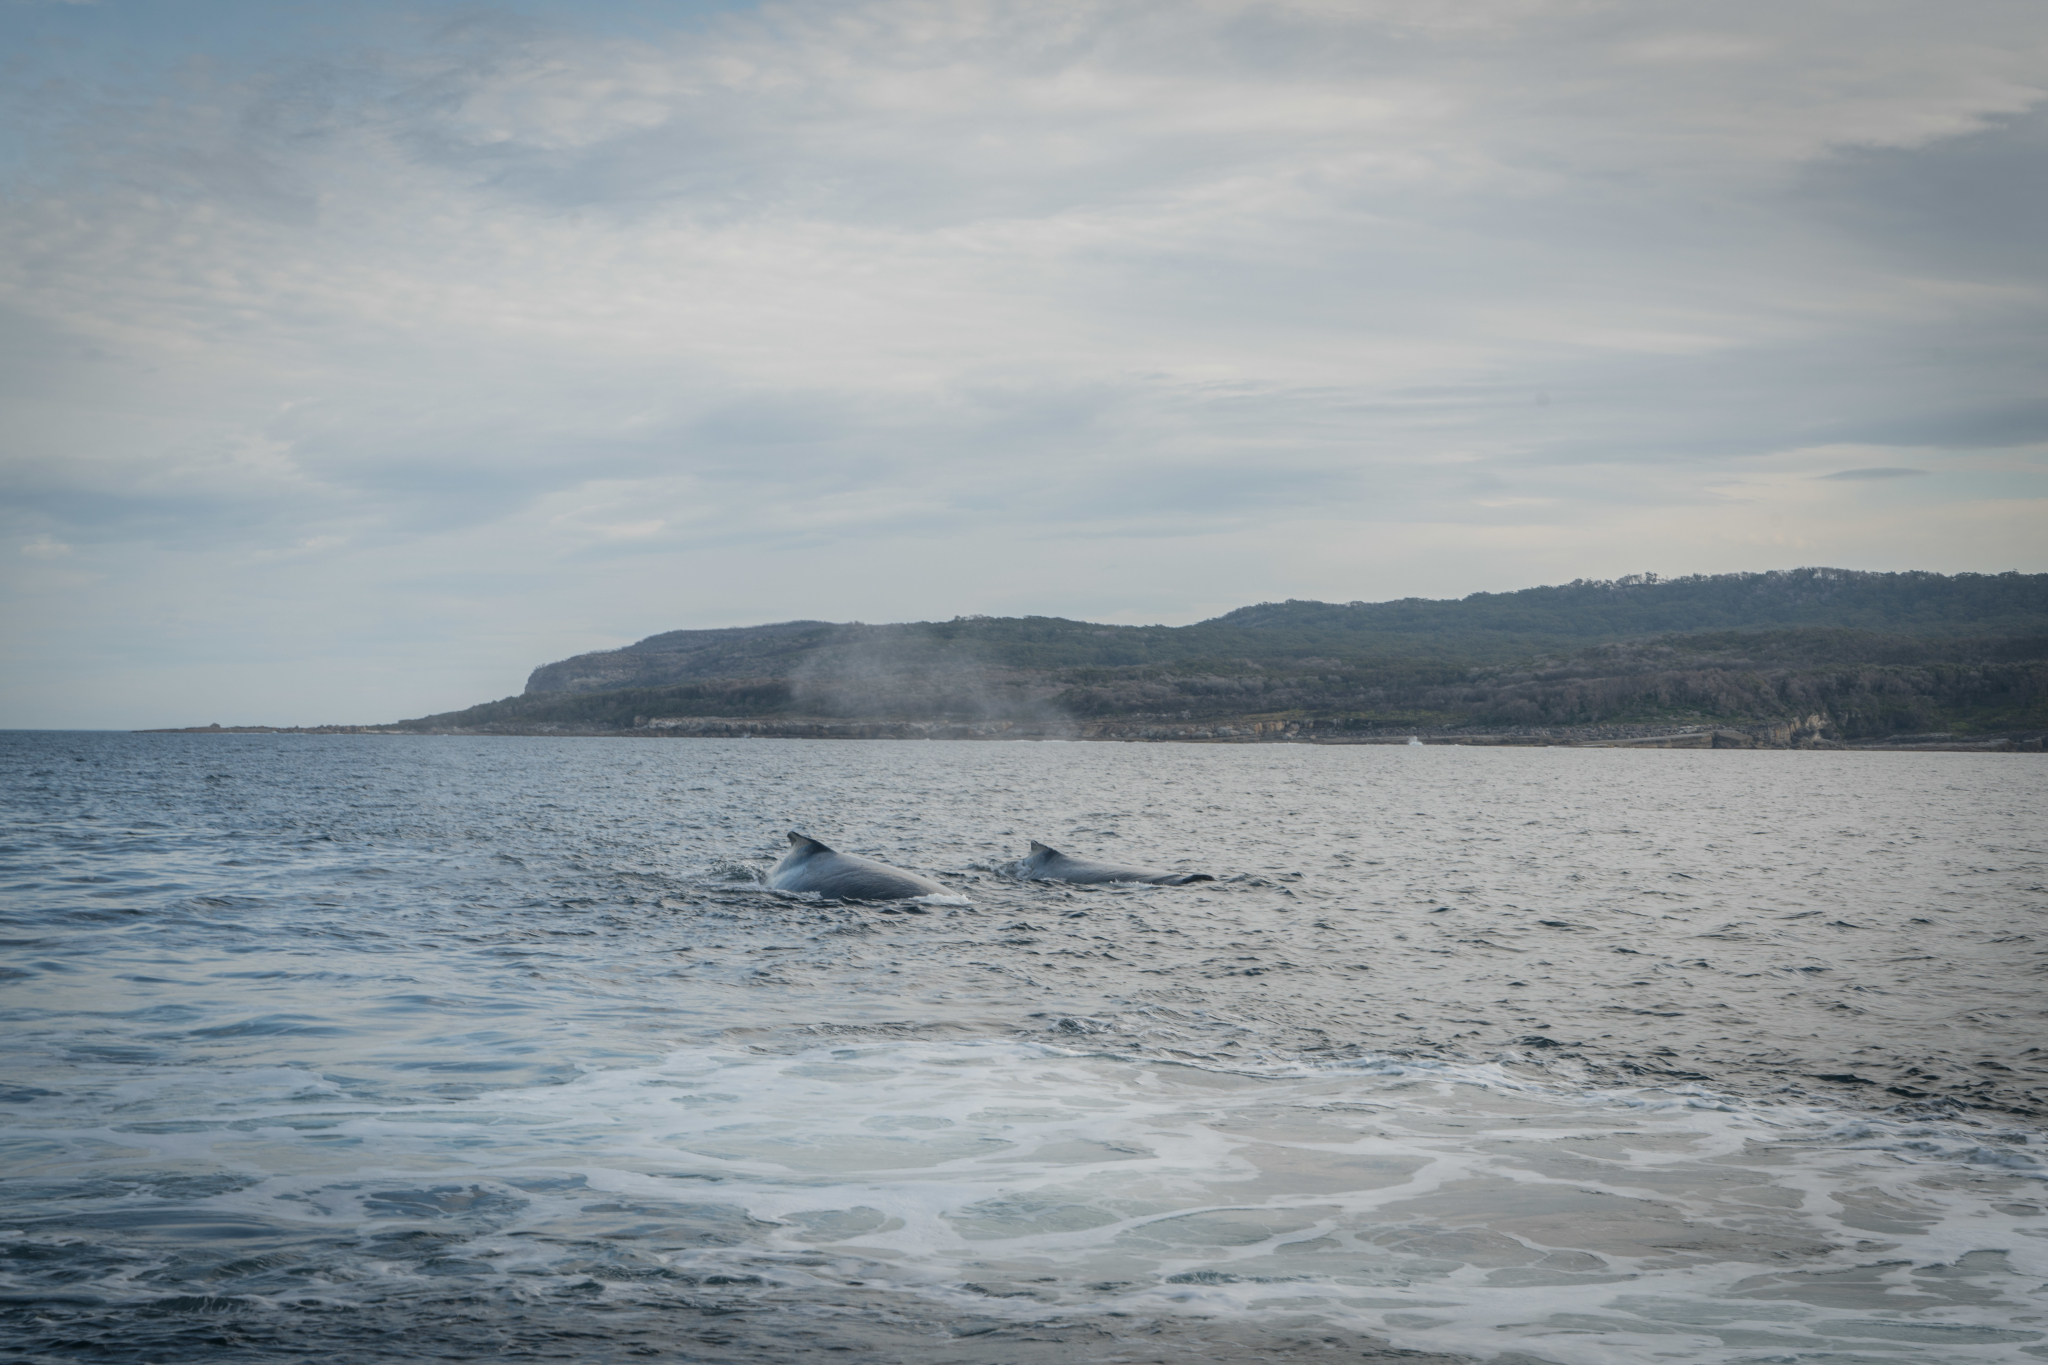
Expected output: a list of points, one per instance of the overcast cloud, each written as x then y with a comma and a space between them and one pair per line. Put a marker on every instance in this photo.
352, 367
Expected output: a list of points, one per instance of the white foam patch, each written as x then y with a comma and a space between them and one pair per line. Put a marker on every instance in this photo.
1451, 1209
883, 907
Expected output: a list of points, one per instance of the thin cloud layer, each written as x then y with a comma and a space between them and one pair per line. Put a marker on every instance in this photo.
357, 377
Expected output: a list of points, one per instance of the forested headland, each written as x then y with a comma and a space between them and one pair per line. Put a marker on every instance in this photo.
1845, 655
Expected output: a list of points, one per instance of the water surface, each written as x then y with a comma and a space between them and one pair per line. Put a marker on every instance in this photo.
359, 1047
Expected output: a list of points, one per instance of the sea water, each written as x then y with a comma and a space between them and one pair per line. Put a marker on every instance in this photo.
366, 1048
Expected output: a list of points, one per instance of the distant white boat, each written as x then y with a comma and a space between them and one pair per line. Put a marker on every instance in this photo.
1415, 740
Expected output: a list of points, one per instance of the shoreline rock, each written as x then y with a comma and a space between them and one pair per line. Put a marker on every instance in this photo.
1806, 733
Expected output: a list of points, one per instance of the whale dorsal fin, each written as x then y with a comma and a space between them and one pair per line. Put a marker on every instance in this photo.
1037, 847
809, 845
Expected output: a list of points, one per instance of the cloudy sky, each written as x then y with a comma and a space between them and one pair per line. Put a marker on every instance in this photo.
356, 359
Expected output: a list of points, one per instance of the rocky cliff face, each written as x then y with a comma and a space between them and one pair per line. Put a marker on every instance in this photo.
594, 673
688, 655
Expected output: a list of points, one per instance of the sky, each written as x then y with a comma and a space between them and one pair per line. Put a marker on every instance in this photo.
355, 360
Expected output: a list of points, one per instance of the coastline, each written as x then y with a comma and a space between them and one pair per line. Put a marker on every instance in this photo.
1808, 734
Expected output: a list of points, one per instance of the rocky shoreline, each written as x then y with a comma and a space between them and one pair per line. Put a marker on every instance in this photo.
1807, 733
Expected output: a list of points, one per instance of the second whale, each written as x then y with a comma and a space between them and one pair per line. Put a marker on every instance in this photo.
1049, 864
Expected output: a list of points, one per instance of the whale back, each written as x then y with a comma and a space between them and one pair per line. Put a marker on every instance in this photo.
1048, 863
1041, 861
813, 866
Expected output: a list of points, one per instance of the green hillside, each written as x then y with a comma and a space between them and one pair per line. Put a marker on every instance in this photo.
1879, 652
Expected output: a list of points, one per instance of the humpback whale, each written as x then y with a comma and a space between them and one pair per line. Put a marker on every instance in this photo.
812, 866
1050, 864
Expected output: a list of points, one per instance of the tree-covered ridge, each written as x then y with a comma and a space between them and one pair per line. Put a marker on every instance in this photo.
1643, 604
1482, 628
1867, 685
1879, 653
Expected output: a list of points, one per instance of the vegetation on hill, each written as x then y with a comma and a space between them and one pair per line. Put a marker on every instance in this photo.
1644, 604
1867, 685
1876, 653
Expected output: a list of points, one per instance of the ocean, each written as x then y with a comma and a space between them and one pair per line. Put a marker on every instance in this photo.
346, 1048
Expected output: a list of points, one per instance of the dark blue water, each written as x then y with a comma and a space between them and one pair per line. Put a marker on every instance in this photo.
436, 1048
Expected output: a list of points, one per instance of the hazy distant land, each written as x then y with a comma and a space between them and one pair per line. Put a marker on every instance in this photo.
1810, 658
